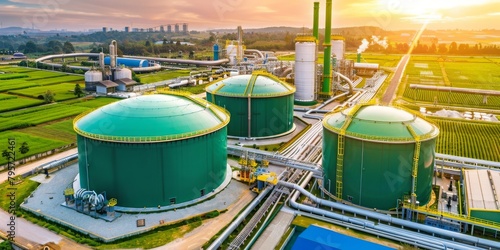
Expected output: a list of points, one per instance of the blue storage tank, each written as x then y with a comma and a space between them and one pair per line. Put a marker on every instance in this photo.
216, 52
128, 62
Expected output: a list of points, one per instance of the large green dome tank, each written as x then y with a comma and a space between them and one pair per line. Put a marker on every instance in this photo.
260, 104
374, 155
153, 150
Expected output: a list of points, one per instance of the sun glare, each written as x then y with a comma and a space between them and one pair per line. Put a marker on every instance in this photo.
426, 10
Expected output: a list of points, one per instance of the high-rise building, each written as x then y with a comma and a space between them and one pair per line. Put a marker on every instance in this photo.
185, 28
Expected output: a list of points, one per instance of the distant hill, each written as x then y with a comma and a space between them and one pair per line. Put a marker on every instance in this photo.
17, 30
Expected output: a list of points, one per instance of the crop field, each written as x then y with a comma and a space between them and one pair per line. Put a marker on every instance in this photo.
61, 131
12, 102
451, 98
37, 115
480, 140
10, 69
63, 126
162, 75
36, 144
62, 91
389, 60
94, 103
461, 72
19, 78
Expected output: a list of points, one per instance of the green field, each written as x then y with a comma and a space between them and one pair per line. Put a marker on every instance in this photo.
62, 91
162, 75
36, 144
94, 103
450, 98
461, 72
384, 60
37, 115
19, 78
473, 139
14, 102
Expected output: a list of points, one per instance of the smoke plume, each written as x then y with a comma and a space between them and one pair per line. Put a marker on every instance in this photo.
374, 40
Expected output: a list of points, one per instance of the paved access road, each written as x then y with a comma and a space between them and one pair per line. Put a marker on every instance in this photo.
196, 238
396, 79
27, 233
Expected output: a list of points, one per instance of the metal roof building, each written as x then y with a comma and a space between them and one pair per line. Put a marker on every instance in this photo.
153, 150
260, 104
374, 155
482, 189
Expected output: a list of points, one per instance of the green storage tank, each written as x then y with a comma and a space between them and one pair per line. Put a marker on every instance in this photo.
153, 150
374, 155
260, 104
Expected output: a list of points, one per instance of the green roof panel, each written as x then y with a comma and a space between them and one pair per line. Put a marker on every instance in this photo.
151, 118
259, 84
381, 123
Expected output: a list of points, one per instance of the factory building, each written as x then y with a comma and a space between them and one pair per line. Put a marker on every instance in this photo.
153, 150
482, 194
374, 155
260, 104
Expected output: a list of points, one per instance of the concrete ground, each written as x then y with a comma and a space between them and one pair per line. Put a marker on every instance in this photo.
244, 141
47, 200
276, 229
442, 206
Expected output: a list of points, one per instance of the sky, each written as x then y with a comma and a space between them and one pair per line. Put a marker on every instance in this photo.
212, 14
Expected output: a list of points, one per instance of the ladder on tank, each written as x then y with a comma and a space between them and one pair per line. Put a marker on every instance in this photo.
416, 157
340, 150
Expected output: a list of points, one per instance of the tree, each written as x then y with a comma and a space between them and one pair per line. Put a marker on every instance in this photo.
30, 47
6, 154
24, 148
78, 90
68, 47
48, 97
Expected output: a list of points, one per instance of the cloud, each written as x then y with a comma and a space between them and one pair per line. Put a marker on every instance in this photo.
203, 14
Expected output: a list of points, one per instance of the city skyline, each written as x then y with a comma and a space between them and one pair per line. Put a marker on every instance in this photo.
204, 15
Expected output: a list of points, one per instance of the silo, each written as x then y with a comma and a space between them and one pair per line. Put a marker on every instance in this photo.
260, 104
374, 155
153, 150
121, 73
92, 77
305, 69
338, 47
216, 52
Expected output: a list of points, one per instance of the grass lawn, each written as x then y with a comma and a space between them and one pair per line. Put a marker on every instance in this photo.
36, 144
23, 190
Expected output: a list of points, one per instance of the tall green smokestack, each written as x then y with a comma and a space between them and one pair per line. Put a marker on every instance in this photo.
316, 21
327, 77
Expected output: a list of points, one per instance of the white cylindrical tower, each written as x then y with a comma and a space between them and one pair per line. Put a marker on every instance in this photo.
338, 47
232, 53
112, 56
122, 73
305, 69
92, 77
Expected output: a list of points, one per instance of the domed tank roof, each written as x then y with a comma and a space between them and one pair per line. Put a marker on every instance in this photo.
381, 123
258, 84
152, 118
